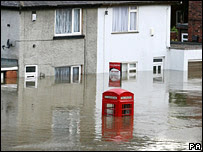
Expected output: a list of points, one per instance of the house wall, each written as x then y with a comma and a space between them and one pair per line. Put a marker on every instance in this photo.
134, 47
178, 59
49, 53
11, 32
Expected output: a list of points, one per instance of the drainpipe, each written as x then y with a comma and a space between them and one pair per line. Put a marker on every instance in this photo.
105, 13
85, 45
168, 20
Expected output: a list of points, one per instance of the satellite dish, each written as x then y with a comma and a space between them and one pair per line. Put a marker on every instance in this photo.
8, 44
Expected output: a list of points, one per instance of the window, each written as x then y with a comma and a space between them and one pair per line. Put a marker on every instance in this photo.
68, 22
69, 74
129, 70
124, 19
126, 109
30, 83
158, 69
179, 17
62, 74
75, 72
110, 109
2, 77
30, 71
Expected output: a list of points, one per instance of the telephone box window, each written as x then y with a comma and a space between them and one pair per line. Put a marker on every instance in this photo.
110, 109
126, 109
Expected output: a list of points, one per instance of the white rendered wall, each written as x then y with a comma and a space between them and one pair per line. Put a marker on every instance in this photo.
134, 47
178, 59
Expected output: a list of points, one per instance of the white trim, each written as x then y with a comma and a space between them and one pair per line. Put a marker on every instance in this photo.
71, 72
157, 64
2, 77
9, 68
72, 33
31, 74
182, 37
129, 31
194, 60
30, 80
129, 21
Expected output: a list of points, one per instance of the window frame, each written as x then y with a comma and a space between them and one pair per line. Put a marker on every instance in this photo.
157, 64
31, 74
129, 21
71, 72
72, 33
34, 80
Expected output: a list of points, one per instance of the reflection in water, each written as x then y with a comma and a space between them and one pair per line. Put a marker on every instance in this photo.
30, 82
117, 128
68, 116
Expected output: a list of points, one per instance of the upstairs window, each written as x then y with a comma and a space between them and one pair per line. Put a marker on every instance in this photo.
68, 22
125, 19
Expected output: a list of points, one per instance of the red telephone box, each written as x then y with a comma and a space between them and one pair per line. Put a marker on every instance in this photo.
117, 129
118, 102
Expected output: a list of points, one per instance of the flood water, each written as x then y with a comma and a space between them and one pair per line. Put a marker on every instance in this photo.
48, 114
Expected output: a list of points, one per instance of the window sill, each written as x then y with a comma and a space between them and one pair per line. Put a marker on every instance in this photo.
68, 37
125, 32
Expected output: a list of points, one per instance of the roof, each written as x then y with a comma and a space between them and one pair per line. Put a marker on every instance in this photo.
117, 91
48, 4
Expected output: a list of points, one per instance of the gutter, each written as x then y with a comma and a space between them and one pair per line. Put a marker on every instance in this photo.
22, 5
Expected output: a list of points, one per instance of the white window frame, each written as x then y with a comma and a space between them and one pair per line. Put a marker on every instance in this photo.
156, 75
131, 74
129, 21
71, 72
30, 80
31, 75
73, 33
182, 37
2, 77
131, 68
129, 11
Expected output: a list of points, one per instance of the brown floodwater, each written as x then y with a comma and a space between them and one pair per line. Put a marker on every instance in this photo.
49, 114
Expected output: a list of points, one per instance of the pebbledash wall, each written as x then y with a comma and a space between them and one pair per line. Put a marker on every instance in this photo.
138, 47
10, 29
37, 46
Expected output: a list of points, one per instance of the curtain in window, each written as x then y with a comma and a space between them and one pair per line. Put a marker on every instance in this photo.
62, 74
120, 19
63, 21
76, 20
133, 16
